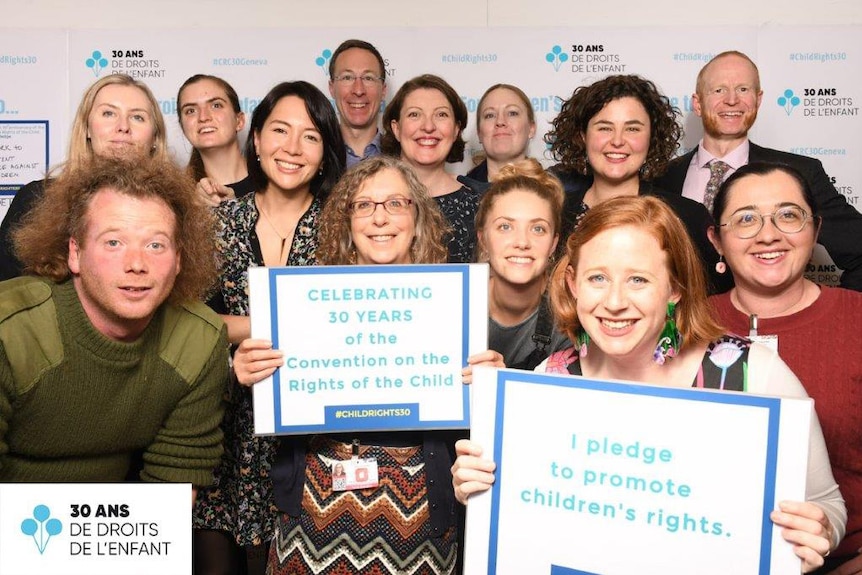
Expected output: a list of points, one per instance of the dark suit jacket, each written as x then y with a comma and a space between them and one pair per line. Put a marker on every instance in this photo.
841, 232
693, 215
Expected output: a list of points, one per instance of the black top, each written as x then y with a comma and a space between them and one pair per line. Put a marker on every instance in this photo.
479, 173
21, 205
242, 187
693, 214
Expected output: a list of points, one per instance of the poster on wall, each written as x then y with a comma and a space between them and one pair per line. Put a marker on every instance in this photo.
34, 94
810, 105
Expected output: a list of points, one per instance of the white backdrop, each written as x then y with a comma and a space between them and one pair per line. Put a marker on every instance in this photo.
809, 74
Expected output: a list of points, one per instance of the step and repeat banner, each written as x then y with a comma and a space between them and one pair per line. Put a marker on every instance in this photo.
809, 78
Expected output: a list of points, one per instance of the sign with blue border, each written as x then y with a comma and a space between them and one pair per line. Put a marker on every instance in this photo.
24, 153
611, 478
367, 348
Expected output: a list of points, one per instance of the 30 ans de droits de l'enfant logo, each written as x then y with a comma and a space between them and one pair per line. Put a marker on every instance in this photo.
41, 527
96, 62
323, 60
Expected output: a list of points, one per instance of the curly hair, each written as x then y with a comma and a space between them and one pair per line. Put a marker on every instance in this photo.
652, 215
80, 148
390, 144
42, 242
566, 136
527, 175
336, 244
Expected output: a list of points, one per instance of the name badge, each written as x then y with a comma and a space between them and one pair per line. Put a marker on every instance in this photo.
354, 473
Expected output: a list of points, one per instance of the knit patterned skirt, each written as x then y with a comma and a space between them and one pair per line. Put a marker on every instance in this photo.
375, 531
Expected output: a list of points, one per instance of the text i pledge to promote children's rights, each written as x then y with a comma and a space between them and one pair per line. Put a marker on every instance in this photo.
367, 347
602, 477
95, 529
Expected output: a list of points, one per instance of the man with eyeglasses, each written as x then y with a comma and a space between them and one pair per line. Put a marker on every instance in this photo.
727, 97
357, 82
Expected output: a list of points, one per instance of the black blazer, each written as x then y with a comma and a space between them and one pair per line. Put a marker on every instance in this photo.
693, 214
841, 231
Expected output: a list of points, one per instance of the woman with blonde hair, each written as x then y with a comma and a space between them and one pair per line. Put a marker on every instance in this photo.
505, 124
118, 117
518, 227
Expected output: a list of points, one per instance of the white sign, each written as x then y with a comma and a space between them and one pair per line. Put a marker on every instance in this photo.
367, 347
612, 478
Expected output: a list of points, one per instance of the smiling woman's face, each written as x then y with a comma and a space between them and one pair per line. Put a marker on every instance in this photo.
622, 286
382, 237
772, 260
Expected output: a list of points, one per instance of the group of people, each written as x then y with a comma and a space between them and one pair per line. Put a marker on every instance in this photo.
601, 266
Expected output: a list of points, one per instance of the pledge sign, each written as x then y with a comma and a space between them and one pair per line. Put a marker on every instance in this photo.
609, 478
367, 347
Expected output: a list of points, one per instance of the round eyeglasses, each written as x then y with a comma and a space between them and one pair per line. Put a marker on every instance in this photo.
367, 79
748, 223
393, 206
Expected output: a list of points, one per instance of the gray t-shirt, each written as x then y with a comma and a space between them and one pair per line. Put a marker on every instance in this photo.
516, 343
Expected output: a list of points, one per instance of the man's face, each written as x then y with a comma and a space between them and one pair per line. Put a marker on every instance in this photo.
728, 98
125, 264
358, 102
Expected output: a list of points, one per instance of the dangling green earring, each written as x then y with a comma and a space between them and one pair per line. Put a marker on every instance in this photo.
670, 340
582, 342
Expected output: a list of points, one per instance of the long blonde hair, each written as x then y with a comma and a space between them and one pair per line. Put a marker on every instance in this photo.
80, 149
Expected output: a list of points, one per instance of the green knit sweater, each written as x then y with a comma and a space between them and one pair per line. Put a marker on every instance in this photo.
75, 405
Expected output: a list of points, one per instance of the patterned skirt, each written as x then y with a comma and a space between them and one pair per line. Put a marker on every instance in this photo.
240, 501
371, 531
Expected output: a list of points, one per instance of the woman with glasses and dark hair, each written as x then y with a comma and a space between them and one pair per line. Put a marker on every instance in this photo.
378, 214
211, 119
294, 156
424, 126
767, 226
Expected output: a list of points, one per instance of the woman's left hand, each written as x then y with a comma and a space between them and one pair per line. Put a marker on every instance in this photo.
489, 357
255, 360
807, 527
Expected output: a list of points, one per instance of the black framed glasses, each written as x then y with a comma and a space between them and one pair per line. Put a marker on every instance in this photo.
349, 78
748, 223
393, 206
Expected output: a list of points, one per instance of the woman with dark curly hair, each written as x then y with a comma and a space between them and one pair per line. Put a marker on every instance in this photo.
424, 126
379, 213
612, 138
